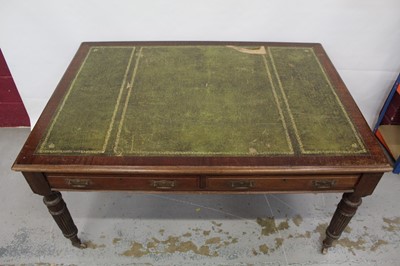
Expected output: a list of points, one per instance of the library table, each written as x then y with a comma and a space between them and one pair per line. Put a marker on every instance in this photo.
202, 117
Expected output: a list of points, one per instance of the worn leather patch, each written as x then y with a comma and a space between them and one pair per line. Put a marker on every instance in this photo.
201, 101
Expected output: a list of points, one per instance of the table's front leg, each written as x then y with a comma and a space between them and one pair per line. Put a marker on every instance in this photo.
348, 207
58, 209
344, 212
56, 205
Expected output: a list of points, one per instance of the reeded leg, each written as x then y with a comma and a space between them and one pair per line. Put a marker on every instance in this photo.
344, 212
58, 209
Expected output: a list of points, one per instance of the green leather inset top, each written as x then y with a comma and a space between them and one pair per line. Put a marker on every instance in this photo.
201, 101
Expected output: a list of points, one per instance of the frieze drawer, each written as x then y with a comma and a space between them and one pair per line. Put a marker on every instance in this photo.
108, 182
282, 183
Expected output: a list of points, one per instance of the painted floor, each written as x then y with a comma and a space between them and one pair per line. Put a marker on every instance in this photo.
164, 229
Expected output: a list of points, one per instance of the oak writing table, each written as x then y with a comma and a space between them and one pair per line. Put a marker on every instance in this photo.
201, 117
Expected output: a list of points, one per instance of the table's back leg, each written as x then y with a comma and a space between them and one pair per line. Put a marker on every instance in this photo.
58, 209
348, 207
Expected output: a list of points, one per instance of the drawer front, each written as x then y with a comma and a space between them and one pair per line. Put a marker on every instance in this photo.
140, 183
282, 183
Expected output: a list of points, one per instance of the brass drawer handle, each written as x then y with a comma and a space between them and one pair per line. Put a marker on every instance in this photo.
163, 184
242, 184
323, 184
78, 183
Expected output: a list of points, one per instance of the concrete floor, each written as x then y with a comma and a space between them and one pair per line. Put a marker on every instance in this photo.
164, 229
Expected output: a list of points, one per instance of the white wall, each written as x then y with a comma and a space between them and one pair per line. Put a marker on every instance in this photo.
362, 37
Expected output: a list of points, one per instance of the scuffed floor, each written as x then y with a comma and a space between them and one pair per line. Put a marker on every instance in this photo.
165, 229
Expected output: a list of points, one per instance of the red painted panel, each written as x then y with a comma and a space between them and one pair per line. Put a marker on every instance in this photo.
11, 115
4, 71
8, 91
12, 110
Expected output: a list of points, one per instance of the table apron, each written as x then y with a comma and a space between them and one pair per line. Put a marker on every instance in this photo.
204, 183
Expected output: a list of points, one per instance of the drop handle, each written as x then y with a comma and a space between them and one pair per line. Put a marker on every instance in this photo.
163, 184
323, 184
242, 184
78, 183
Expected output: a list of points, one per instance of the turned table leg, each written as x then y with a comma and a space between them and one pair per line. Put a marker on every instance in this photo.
58, 209
344, 212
